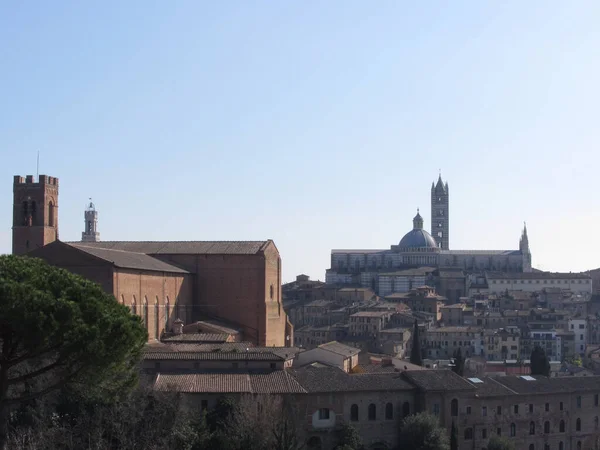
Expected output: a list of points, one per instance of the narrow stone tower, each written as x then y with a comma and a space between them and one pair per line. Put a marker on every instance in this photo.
35, 213
91, 224
524, 248
440, 213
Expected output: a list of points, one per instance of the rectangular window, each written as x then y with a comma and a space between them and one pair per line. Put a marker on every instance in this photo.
531, 407
595, 399
561, 406
484, 434
499, 410
324, 414
468, 410
499, 431
436, 409
484, 411
579, 401
516, 409
204, 405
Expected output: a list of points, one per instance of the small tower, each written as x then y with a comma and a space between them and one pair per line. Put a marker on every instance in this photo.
91, 224
418, 221
524, 248
35, 213
440, 213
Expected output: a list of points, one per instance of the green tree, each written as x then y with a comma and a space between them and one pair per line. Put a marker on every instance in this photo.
415, 353
575, 360
422, 432
459, 363
59, 329
349, 438
539, 362
500, 443
453, 437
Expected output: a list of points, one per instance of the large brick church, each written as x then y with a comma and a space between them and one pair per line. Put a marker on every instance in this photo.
235, 282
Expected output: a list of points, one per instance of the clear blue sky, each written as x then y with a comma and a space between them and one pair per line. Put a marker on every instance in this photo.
317, 124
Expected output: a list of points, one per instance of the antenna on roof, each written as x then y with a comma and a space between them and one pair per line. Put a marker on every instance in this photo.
37, 170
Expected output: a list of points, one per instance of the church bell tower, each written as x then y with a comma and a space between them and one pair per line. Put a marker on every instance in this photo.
440, 214
91, 224
35, 213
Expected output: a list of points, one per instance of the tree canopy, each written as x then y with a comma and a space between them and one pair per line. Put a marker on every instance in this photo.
59, 329
415, 352
422, 432
500, 443
539, 362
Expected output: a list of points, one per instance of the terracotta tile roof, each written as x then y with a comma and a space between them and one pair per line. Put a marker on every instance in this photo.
333, 379
340, 349
277, 382
437, 380
128, 260
543, 385
213, 356
221, 348
198, 337
184, 247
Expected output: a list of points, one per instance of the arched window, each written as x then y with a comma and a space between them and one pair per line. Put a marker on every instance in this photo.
578, 425
51, 215
354, 413
578, 445
547, 427
271, 292
531, 427
405, 409
156, 319
372, 412
145, 312
167, 313
454, 407
468, 434
531, 447
561, 446
513, 430
561, 426
133, 306
389, 411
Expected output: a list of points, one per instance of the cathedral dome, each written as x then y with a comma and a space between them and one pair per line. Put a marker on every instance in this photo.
418, 237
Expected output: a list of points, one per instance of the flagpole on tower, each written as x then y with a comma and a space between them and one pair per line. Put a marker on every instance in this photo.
37, 175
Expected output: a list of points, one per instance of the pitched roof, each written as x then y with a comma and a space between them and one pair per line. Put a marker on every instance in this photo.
213, 356
333, 379
198, 337
277, 382
184, 247
543, 385
437, 380
127, 259
340, 349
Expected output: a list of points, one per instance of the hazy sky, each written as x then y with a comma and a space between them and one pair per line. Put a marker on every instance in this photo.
319, 125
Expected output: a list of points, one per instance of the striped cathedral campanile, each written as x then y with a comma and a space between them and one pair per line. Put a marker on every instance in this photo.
440, 214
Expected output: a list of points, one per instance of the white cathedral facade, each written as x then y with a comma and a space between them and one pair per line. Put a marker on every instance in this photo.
418, 248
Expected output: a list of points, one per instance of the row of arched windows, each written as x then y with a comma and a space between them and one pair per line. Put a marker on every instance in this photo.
144, 313
372, 411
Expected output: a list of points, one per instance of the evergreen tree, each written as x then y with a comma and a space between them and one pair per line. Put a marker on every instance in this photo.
539, 362
453, 437
422, 431
499, 443
459, 363
59, 329
415, 353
